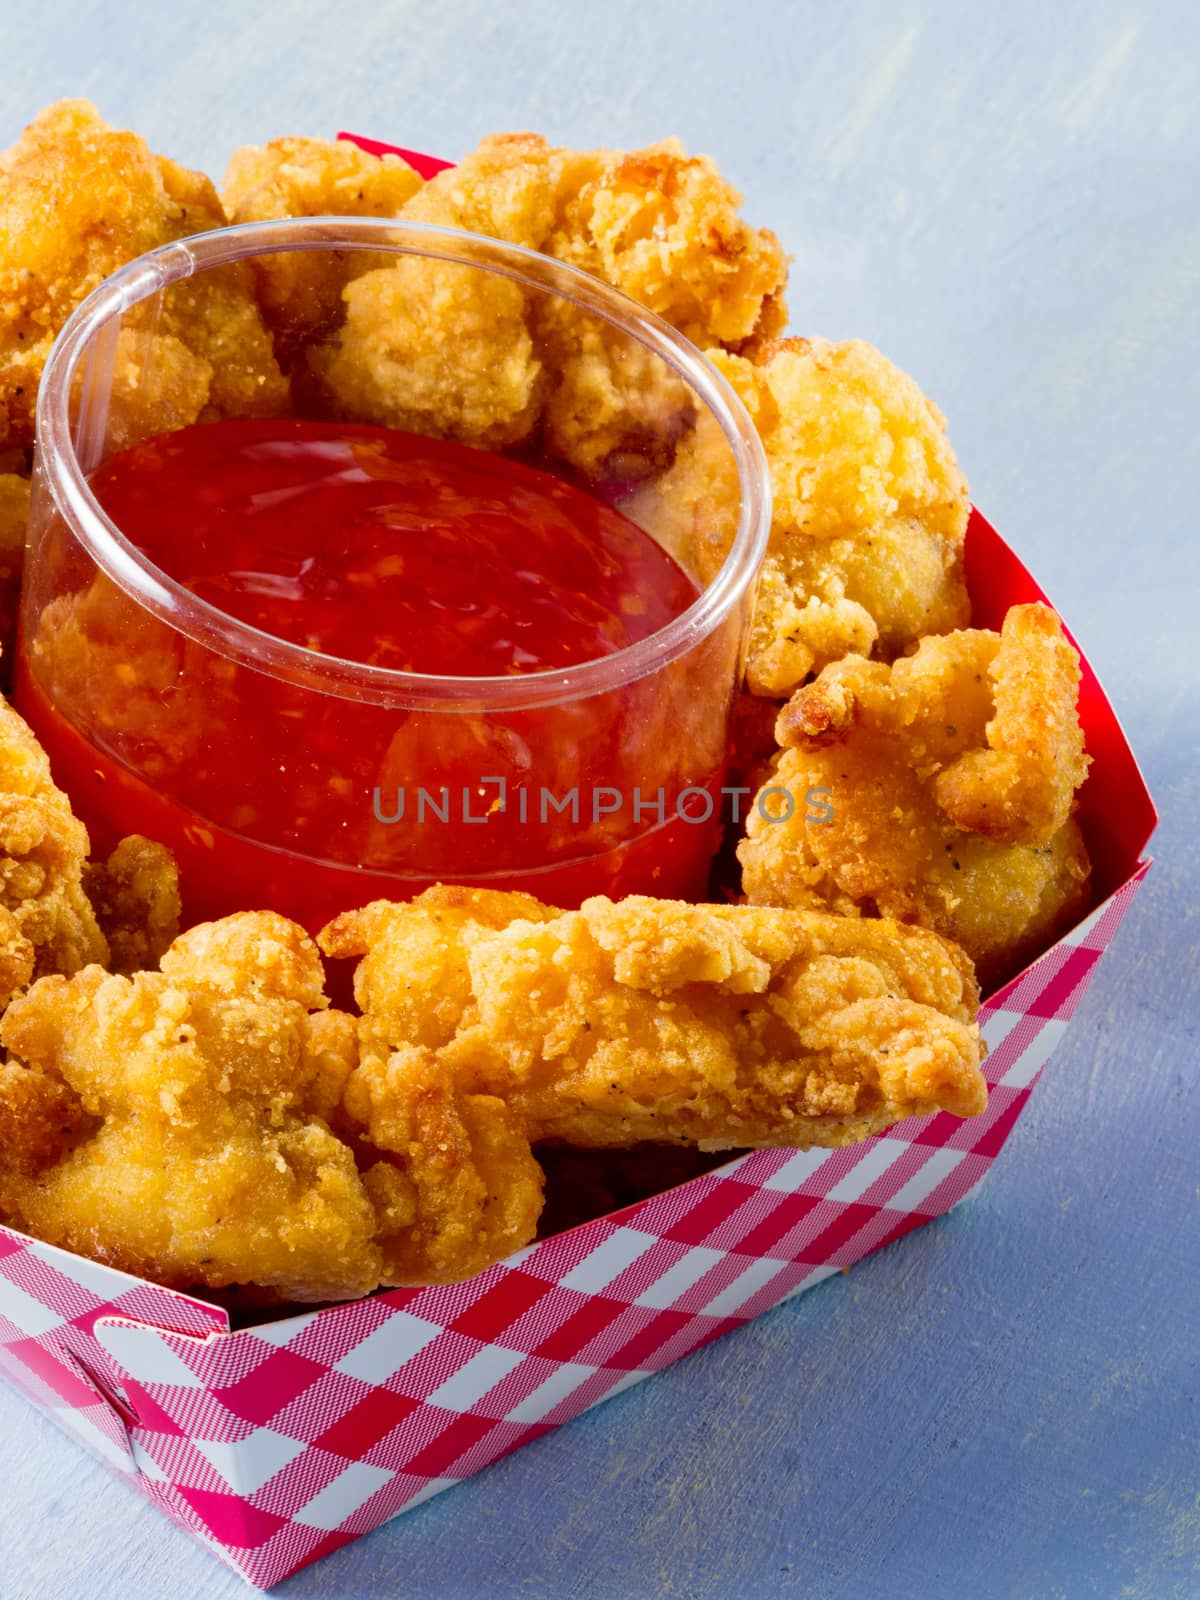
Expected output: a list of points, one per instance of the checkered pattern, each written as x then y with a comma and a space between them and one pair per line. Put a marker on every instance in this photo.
277, 1444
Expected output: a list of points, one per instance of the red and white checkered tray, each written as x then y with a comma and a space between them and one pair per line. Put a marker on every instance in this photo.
276, 1444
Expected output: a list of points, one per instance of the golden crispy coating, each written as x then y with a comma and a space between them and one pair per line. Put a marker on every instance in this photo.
17, 957
858, 441
614, 410
40, 1120
719, 1026
206, 1124
469, 1191
55, 908
14, 522
1021, 788
664, 227
507, 188
205, 1163
156, 384
870, 509
655, 223
43, 848
78, 199
300, 293
442, 349
135, 894
415, 974
434, 348
980, 722
216, 316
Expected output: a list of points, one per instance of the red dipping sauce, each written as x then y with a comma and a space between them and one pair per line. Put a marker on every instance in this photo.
396, 551
390, 548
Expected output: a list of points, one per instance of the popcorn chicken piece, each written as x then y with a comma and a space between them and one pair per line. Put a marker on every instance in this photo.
951, 776
43, 850
300, 292
655, 223
438, 349
719, 1026
156, 384
78, 199
664, 227
870, 509
135, 894
211, 1123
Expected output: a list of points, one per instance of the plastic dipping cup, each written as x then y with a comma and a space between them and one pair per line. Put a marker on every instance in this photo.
600, 778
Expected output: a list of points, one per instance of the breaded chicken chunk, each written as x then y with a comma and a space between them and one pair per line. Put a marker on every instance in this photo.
156, 384
300, 292
43, 852
1020, 786
870, 508
211, 1123
17, 957
719, 1026
445, 349
434, 348
57, 911
135, 894
664, 227
78, 199
657, 224
455, 1187
951, 777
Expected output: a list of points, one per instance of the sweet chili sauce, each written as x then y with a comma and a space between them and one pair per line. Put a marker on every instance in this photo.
379, 547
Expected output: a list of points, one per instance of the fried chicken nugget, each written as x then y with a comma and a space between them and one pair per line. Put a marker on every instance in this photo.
301, 293
444, 349
210, 1123
434, 348
469, 1191
665, 229
56, 909
135, 894
719, 1026
40, 1119
951, 777
1020, 789
156, 384
43, 851
655, 223
870, 508
78, 199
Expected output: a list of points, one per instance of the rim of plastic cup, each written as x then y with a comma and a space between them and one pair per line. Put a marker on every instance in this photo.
207, 625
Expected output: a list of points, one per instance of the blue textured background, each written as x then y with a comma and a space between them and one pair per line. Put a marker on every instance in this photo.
1005, 1403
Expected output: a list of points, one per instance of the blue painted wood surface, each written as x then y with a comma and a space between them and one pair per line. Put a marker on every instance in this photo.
1004, 1405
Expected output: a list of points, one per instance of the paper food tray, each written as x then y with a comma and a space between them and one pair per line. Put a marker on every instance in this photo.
278, 1443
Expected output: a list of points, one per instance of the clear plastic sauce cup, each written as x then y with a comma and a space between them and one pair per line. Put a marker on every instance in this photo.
309, 783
